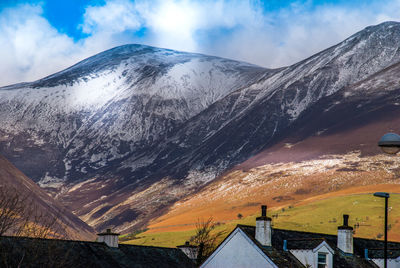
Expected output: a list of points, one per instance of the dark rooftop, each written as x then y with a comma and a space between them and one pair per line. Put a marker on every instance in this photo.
277, 255
108, 232
307, 240
305, 243
393, 253
33, 252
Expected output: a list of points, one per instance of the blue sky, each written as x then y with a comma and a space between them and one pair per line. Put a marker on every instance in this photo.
40, 37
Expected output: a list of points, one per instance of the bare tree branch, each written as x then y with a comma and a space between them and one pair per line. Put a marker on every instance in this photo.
206, 238
21, 217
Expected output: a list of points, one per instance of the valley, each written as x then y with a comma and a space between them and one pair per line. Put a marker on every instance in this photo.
38, 207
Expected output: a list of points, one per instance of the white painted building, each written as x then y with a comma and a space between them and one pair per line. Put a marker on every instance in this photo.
264, 246
376, 255
321, 255
190, 251
108, 237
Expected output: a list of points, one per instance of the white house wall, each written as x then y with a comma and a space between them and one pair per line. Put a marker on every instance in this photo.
190, 252
323, 248
310, 257
391, 263
110, 240
238, 251
306, 257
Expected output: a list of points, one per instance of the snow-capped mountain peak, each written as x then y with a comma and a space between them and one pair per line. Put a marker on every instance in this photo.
135, 128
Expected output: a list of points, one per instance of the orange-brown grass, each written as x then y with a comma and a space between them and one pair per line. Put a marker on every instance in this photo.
280, 185
322, 214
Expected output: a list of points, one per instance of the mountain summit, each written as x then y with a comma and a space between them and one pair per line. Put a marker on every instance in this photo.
121, 136
110, 106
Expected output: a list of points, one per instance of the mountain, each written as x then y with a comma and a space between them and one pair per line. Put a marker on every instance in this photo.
12, 178
127, 133
331, 150
110, 107
73, 126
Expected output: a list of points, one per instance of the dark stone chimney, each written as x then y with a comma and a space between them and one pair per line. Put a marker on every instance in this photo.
264, 211
345, 220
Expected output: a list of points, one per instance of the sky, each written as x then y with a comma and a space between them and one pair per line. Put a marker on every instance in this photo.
41, 37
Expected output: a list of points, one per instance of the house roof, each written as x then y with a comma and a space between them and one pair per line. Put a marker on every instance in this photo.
108, 232
307, 240
392, 253
67, 253
280, 257
304, 243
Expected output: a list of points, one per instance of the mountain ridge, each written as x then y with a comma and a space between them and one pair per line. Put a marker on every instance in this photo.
131, 134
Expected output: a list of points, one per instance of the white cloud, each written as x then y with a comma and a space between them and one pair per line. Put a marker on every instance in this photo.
31, 48
287, 36
114, 16
177, 24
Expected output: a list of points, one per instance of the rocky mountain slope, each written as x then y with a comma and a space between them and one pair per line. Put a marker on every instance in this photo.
330, 149
71, 226
125, 134
82, 122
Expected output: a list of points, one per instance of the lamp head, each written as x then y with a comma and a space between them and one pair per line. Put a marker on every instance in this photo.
390, 143
382, 194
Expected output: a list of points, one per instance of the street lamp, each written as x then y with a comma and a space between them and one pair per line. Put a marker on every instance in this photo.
386, 196
390, 143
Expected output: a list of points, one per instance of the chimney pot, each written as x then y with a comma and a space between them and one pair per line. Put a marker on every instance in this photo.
264, 211
345, 220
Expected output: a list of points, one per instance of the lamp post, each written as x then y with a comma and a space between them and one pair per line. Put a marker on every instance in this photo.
390, 144
386, 196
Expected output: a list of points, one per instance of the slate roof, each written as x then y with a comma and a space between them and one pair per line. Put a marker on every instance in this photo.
280, 257
33, 252
305, 243
307, 240
393, 253
359, 244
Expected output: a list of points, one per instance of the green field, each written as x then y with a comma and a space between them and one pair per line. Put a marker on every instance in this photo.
323, 216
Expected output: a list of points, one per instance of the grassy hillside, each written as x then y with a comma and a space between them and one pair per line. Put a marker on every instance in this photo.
322, 215
283, 184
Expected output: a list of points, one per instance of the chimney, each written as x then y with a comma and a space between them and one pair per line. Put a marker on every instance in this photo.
108, 237
263, 228
345, 236
190, 250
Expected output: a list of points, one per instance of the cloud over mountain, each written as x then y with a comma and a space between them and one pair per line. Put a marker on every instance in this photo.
271, 36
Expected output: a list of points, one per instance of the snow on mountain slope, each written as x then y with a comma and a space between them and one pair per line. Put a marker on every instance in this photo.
332, 146
236, 127
109, 106
247, 120
132, 130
